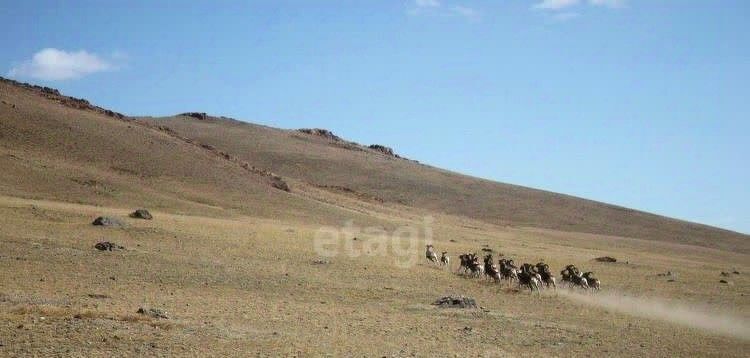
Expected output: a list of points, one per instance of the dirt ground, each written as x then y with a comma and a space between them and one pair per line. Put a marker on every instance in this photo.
244, 286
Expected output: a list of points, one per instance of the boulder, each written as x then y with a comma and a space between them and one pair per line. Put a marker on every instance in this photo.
141, 214
455, 302
107, 221
108, 246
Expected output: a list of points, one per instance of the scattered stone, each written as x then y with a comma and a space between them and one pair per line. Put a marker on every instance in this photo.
606, 259
455, 302
724, 273
724, 281
736, 272
668, 274
107, 221
153, 312
487, 250
321, 262
108, 246
279, 183
141, 214
98, 295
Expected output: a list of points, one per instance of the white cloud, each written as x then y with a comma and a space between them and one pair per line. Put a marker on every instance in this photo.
427, 3
608, 3
436, 8
54, 65
555, 4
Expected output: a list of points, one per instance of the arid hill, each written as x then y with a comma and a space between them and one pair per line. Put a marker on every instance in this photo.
64, 148
52, 147
321, 158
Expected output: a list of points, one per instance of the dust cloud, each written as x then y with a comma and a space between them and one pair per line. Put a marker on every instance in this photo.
679, 313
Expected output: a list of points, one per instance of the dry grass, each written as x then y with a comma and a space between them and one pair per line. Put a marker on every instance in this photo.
246, 285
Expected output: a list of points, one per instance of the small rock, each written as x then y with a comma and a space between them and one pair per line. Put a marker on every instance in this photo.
108, 246
606, 259
724, 273
152, 312
98, 296
141, 214
724, 281
321, 262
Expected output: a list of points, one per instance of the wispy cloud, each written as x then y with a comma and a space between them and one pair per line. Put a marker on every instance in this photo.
466, 12
555, 4
437, 8
54, 65
565, 16
608, 3
427, 3
562, 10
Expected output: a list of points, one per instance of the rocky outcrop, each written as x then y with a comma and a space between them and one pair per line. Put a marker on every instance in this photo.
55, 95
197, 115
383, 149
321, 133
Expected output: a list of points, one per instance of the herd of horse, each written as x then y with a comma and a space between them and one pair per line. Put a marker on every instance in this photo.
534, 277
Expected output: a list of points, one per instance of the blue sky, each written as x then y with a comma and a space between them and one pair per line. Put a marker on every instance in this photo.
637, 103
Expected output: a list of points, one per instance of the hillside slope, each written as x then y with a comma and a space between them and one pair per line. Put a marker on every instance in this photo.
324, 160
59, 148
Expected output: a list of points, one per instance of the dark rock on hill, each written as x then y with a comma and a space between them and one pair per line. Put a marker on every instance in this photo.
383, 149
197, 115
108, 246
141, 214
321, 133
107, 221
